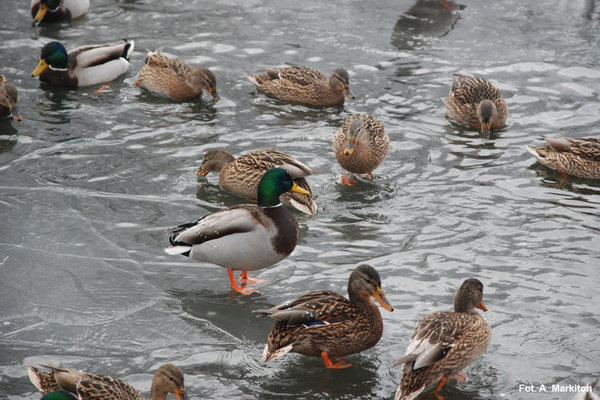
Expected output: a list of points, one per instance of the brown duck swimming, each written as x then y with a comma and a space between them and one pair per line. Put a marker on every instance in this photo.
175, 79
67, 384
9, 99
241, 175
327, 325
360, 145
570, 156
477, 103
444, 343
304, 85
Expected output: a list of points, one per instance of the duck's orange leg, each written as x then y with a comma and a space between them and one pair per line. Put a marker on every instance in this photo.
234, 285
346, 181
435, 394
248, 280
338, 365
103, 88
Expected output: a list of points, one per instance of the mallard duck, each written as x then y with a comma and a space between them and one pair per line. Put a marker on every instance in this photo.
175, 79
241, 176
360, 145
304, 85
571, 156
65, 384
9, 99
58, 10
327, 325
477, 103
83, 66
444, 343
245, 237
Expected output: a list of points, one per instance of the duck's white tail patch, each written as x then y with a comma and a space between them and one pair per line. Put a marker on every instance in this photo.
408, 396
268, 356
252, 79
34, 377
177, 249
310, 210
533, 151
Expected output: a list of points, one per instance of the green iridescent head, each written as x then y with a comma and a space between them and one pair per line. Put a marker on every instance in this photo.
53, 54
273, 184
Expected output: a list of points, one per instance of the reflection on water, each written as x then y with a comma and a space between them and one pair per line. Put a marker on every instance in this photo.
425, 19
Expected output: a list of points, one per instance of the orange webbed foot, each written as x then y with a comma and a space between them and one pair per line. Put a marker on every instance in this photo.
103, 88
346, 181
338, 365
249, 280
234, 285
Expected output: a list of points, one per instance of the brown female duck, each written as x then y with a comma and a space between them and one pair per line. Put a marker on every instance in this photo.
9, 99
444, 343
477, 103
325, 324
360, 145
570, 156
66, 384
304, 85
241, 175
175, 79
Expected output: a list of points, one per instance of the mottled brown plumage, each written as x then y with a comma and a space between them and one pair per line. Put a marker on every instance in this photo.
361, 144
175, 79
304, 85
572, 156
444, 343
9, 99
325, 324
477, 103
86, 386
242, 175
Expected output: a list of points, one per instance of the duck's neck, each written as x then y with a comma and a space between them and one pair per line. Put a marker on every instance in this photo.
370, 312
155, 394
287, 233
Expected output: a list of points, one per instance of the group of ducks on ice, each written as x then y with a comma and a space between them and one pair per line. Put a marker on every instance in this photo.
251, 237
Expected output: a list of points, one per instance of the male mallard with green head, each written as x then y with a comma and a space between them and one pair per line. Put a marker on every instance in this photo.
241, 175
58, 10
578, 157
360, 145
477, 103
327, 325
245, 237
83, 66
175, 79
68, 384
304, 85
444, 343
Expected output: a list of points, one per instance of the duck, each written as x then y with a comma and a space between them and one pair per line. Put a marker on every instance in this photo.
83, 66
444, 343
246, 237
304, 85
241, 175
476, 103
360, 145
9, 99
61, 383
58, 10
579, 157
326, 324
173, 78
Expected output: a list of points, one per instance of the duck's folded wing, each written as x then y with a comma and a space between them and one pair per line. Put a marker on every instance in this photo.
89, 56
213, 226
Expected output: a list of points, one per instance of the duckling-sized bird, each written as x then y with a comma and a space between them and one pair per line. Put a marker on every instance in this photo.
9, 99
578, 157
241, 175
175, 79
360, 145
58, 10
83, 66
444, 343
245, 237
67, 384
477, 103
327, 325
304, 85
